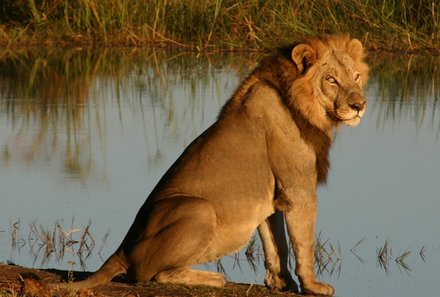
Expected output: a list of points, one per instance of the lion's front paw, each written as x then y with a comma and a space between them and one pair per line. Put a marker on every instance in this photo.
317, 288
281, 281
274, 280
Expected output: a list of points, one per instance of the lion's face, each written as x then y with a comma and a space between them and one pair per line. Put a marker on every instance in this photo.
339, 90
333, 74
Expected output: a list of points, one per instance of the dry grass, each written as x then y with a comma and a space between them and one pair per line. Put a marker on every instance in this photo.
383, 256
217, 24
48, 244
53, 243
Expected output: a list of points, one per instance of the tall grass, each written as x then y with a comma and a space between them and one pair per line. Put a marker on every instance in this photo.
220, 24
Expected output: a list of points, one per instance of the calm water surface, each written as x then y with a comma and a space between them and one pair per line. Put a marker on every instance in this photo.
85, 136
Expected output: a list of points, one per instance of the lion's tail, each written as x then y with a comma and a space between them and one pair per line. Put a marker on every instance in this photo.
111, 268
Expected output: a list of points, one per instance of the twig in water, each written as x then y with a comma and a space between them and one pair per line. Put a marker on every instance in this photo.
400, 260
354, 252
383, 256
422, 253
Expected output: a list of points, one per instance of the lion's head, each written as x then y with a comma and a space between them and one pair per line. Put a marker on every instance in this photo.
331, 77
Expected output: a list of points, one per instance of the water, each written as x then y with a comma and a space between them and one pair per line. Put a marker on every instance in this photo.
85, 135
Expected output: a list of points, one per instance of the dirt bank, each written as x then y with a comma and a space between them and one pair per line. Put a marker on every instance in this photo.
21, 281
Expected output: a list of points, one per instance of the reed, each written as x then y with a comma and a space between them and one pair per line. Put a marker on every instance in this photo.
401, 260
218, 24
328, 256
56, 242
422, 253
384, 254
253, 253
354, 251
46, 243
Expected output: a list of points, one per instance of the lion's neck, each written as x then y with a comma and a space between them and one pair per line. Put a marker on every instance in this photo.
279, 73
320, 141
282, 76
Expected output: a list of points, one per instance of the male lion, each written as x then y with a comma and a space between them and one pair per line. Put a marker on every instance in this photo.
262, 159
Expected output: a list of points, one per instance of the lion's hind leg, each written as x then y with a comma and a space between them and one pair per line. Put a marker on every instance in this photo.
179, 235
191, 277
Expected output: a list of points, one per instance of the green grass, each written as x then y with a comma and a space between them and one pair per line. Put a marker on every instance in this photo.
407, 25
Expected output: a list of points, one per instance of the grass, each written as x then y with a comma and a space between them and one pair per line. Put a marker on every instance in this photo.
401, 260
53, 243
422, 253
218, 24
328, 256
384, 254
354, 251
46, 243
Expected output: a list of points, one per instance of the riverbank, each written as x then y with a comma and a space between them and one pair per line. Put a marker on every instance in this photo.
21, 281
226, 25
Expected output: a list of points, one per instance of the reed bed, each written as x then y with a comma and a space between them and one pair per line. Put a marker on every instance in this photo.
62, 241
405, 25
53, 243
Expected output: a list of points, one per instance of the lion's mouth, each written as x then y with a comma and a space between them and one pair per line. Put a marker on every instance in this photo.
354, 121
349, 114
349, 118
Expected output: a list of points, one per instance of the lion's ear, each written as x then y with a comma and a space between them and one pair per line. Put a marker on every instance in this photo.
355, 50
303, 56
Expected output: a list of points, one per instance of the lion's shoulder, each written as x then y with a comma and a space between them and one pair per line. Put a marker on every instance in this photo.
269, 81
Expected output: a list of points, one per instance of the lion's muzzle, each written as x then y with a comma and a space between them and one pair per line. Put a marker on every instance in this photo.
351, 110
356, 102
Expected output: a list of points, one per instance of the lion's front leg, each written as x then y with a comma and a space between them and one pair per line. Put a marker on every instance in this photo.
300, 220
273, 237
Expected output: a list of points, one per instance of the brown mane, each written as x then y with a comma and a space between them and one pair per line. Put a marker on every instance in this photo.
279, 72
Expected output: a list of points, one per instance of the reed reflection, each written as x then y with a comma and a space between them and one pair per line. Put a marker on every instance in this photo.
63, 112
53, 102
408, 89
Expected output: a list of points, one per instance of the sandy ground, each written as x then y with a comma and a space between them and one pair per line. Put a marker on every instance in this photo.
21, 281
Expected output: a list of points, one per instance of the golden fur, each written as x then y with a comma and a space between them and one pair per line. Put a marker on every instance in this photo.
258, 165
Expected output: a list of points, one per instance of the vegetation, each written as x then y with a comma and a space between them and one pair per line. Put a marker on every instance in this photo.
31, 84
63, 242
49, 89
406, 25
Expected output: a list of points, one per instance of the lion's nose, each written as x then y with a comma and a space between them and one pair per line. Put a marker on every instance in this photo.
357, 103
358, 106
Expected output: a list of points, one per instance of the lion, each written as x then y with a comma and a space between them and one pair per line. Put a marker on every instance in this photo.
256, 167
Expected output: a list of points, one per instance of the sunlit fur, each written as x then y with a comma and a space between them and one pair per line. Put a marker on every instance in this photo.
301, 85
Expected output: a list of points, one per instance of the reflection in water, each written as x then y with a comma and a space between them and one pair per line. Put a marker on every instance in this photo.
75, 245
45, 95
56, 243
75, 107
408, 89
44, 98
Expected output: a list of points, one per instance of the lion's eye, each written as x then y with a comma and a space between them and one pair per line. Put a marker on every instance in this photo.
357, 76
331, 80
